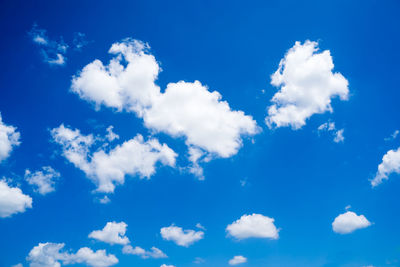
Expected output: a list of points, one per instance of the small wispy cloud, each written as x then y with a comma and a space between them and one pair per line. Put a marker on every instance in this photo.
331, 127
53, 52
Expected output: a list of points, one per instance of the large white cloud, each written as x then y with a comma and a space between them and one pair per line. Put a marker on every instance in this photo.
306, 86
237, 260
181, 237
112, 233
185, 109
51, 255
115, 85
254, 225
108, 169
191, 110
9, 138
348, 222
12, 200
43, 180
390, 164
154, 252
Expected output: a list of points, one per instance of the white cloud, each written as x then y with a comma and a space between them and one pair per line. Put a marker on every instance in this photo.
98, 258
390, 164
392, 136
255, 225
112, 233
111, 136
9, 138
191, 110
18, 265
198, 225
107, 169
12, 200
165, 265
53, 52
153, 253
181, 237
237, 260
339, 136
47, 255
129, 87
306, 86
185, 109
50, 255
330, 127
348, 222
43, 180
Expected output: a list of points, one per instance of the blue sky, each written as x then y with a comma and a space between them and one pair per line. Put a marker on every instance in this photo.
284, 165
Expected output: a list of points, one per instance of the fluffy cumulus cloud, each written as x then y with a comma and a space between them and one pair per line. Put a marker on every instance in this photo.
348, 222
237, 260
165, 265
185, 109
117, 85
53, 52
43, 180
254, 225
306, 86
9, 138
12, 200
390, 164
112, 233
181, 237
152, 253
52, 255
109, 168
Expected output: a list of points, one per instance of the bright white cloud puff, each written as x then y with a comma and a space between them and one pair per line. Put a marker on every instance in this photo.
12, 200
253, 226
108, 169
51, 255
185, 109
237, 260
181, 237
43, 180
390, 164
348, 222
306, 86
112, 233
9, 138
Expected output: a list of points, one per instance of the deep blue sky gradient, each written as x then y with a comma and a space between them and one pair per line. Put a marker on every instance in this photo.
300, 178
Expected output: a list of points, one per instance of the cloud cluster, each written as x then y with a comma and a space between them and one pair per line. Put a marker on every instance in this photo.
237, 260
390, 164
53, 52
114, 233
51, 255
348, 222
306, 86
330, 127
181, 237
9, 138
185, 109
108, 168
43, 180
12, 200
253, 226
